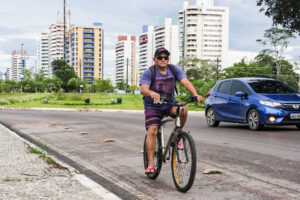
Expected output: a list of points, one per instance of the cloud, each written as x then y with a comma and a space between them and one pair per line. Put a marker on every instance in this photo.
5, 61
24, 22
236, 56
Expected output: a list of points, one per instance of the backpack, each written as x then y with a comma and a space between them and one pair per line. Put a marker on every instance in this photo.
153, 75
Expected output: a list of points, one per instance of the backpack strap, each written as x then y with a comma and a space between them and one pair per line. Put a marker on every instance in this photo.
174, 72
153, 75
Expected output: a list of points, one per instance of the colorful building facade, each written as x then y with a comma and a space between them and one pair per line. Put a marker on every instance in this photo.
85, 51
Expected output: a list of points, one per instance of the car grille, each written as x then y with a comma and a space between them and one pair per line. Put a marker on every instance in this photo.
291, 107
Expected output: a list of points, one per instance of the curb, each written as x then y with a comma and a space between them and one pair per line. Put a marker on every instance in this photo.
105, 180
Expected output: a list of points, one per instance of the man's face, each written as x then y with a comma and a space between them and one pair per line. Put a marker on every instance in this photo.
161, 60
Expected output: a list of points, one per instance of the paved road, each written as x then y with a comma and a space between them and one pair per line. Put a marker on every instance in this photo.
255, 165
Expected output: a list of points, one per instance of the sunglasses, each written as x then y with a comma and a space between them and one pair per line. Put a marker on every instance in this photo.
162, 57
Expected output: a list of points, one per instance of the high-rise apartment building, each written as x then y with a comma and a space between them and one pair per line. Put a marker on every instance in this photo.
204, 31
85, 51
43, 54
20, 61
154, 37
125, 60
146, 48
166, 35
56, 43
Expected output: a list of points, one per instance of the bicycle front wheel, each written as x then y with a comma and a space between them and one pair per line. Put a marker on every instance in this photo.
157, 157
184, 162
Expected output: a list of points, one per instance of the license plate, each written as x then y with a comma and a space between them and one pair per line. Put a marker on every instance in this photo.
295, 116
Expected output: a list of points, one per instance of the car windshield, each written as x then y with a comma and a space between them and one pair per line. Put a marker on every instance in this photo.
270, 87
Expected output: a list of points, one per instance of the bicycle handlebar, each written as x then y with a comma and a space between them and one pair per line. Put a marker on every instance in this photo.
193, 99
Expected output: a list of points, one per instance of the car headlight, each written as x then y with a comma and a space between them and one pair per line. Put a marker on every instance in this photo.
270, 103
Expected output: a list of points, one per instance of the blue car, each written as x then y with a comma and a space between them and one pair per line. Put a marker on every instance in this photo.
253, 101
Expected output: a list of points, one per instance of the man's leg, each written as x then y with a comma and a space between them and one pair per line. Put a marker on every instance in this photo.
183, 115
150, 145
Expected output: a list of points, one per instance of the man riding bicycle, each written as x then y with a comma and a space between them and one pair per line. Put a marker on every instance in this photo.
161, 87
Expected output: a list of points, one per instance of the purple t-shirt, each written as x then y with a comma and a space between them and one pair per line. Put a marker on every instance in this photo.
163, 84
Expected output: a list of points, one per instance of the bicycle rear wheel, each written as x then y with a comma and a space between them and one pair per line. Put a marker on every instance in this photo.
184, 162
157, 157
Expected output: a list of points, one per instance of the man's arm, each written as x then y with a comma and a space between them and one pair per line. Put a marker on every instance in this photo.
189, 86
145, 90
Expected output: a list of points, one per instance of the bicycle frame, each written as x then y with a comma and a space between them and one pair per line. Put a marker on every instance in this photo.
166, 149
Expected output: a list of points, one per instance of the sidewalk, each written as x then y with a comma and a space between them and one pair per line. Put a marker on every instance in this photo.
24, 175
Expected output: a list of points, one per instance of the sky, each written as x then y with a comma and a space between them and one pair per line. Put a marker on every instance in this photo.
24, 21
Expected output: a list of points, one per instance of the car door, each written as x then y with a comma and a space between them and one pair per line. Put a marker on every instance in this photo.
237, 106
221, 101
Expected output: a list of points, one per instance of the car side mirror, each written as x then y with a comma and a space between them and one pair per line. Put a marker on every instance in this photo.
240, 94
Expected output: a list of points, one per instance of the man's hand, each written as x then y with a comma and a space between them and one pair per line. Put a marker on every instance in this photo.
155, 96
199, 98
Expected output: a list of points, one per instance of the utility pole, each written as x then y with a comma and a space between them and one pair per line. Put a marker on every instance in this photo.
217, 70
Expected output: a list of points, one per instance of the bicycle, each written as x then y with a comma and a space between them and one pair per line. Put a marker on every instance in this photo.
184, 157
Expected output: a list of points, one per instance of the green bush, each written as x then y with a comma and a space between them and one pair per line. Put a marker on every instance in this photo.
4, 102
76, 97
13, 100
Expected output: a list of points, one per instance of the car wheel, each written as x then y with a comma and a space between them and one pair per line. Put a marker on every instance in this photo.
253, 120
211, 118
298, 126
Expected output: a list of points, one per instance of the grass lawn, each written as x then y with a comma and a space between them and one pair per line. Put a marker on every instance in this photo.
97, 101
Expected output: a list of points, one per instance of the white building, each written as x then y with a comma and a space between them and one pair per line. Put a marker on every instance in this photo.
125, 59
204, 31
56, 43
43, 54
20, 61
154, 37
166, 35
146, 48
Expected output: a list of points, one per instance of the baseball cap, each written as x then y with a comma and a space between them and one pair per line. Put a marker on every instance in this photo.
160, 51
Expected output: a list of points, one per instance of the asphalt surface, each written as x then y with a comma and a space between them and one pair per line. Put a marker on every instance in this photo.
255, 165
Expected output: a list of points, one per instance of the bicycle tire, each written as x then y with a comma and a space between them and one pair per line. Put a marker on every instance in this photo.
181, 184
157, 157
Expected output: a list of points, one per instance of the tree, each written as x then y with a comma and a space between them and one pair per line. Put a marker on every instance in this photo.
1, 85
101, 85
64, 72
188, 63
39, 76
203, 69
278, 40
52, 84
263, 66
121, 85
74, 84
27, 74
283, 12
10, 84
